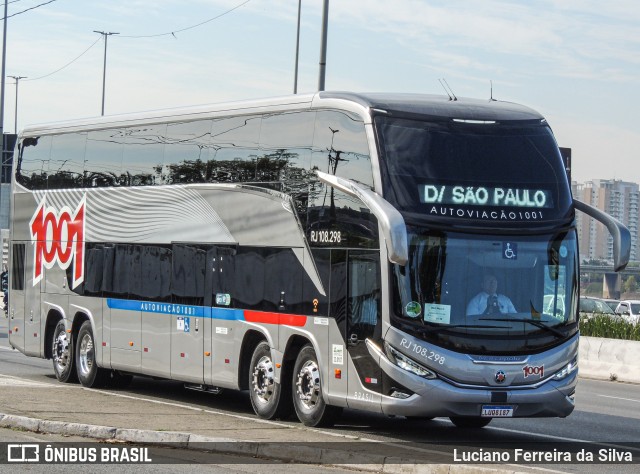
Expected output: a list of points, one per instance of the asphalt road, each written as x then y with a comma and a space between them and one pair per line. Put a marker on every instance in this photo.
607, 413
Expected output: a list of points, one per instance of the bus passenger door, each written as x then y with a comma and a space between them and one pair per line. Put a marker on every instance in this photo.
364, 322
16, 295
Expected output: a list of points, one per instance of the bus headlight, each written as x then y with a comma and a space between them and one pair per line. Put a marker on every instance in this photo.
408, 364
567, 369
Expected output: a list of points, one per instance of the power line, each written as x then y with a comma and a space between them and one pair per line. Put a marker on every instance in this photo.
130, 36
69, 63
172, 33
30, 8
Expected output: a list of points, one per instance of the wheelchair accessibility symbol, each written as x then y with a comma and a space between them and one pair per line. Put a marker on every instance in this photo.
510, 250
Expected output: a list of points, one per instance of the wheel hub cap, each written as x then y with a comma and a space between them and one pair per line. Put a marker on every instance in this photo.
263, 382
308, 384
61, 351
86, 354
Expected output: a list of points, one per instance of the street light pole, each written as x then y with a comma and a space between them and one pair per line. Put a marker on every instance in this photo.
17, 78
4, 62
104, 69
323, 45
295, 78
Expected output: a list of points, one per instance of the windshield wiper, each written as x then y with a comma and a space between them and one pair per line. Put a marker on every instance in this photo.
534, 322
448, 326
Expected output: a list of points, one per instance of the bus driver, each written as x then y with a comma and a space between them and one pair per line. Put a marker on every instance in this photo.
489, 301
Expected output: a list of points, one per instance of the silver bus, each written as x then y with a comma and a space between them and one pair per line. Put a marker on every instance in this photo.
321, 251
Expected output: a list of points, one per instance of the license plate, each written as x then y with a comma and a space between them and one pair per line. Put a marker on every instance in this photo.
497, 411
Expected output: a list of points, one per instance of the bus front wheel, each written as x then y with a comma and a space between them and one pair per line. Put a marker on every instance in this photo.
310, 407
89, 374
62, 354
269, 398
470, 421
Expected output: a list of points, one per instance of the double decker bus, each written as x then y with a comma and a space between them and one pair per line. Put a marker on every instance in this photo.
320, 251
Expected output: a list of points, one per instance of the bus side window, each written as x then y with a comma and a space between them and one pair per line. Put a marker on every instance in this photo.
17, 266
32, 163
236, 150
285, 152
66, 166
105, 148
249, 279
188, 274
340, 147
364, 295
155, 272
187, 153
283, 281
143, 157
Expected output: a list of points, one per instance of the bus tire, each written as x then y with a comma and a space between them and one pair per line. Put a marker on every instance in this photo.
306, 389
269, 399
470, 421
62, 354
89, 374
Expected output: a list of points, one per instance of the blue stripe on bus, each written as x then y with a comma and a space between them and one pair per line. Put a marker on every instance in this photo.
227, 314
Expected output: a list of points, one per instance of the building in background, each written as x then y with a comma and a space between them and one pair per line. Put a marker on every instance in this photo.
619, 199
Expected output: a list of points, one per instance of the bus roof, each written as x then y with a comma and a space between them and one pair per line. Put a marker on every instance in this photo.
439, 106
363, 104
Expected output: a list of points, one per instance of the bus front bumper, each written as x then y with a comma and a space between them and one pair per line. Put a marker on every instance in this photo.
438, 397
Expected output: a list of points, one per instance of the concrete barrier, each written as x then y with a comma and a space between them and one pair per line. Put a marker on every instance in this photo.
609, 359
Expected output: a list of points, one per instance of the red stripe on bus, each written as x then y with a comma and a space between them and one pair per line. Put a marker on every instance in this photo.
275, 318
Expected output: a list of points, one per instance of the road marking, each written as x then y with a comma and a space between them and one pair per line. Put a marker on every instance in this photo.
620, 398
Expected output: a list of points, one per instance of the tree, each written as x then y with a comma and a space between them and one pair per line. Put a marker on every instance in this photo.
631, 285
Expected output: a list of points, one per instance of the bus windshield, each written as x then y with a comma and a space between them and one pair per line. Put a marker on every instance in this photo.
503, 173
487, 294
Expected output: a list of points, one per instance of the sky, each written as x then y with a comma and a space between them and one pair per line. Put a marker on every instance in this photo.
577, 62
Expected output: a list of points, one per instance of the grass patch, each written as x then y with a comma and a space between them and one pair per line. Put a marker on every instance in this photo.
605, 326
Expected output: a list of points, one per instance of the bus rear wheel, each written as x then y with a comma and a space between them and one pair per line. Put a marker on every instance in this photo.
470, 421
269, 398
89, 374
310, 407
62, 354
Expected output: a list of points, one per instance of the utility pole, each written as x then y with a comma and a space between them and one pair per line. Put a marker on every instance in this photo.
17, 78
4, 62
323, 45
295, 77
104, 69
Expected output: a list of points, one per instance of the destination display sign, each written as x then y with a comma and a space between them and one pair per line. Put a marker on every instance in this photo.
485, 196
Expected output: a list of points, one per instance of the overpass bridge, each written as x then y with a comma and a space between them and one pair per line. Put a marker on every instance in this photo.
612, 282
602, 269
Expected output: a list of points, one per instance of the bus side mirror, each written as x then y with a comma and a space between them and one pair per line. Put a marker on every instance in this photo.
621, 235
391, 221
